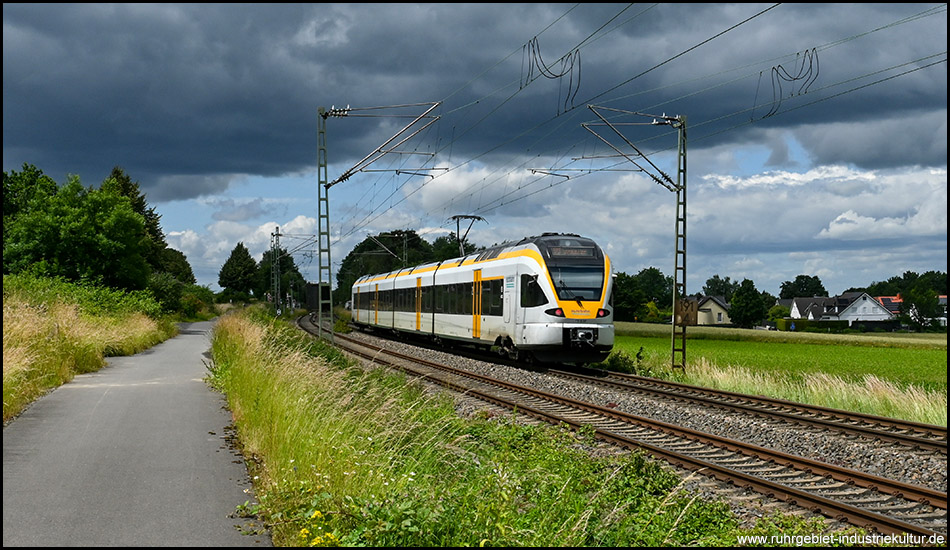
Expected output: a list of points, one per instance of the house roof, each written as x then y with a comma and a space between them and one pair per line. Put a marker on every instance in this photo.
890, 303
893, 303
720, 300
825, 306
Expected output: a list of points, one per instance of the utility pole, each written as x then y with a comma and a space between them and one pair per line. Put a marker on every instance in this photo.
324, 271
684, 311
275, 267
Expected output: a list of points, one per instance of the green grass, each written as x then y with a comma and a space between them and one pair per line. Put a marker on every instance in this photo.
926, 368
368, 458
900, 375
869, 339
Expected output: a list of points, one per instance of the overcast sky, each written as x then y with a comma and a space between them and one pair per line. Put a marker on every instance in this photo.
816, 133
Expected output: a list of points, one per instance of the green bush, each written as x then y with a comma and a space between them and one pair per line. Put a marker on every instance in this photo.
167, 290
621, 361
91, 299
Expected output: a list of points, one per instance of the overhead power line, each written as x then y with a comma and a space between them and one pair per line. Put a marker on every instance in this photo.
407, 187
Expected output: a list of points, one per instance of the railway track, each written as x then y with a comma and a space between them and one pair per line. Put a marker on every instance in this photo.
911, 435
876, 503
925, 437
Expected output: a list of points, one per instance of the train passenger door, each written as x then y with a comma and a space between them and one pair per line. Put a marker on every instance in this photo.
477, 304
506, 299
518, 308
418, 303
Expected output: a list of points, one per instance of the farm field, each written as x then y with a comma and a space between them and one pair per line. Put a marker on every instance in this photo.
886, 374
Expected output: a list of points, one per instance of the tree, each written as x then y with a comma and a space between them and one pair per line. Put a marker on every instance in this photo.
176, 264
167, 290
20, 189
120, 183
387, 252
642, 297
629, 299
239, 271
657, 287
804, 286
715, 286
920, 305
747, 306
634, 294
778, 312
79, 234
446, 247
934, 280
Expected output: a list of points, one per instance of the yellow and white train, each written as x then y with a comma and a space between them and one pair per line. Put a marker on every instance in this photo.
546, 298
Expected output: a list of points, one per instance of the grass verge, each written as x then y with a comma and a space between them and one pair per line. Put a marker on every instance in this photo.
347, 456
53, 330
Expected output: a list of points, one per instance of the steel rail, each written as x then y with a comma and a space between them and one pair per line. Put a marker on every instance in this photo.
752, 404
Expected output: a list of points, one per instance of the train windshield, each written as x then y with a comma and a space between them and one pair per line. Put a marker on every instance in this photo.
578, 282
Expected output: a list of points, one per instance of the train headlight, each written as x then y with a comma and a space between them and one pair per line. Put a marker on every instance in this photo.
557, 312
603, 312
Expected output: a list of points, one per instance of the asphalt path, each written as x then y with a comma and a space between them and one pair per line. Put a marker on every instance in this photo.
136, 454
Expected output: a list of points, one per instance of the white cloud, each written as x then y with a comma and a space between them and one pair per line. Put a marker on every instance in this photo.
783, 178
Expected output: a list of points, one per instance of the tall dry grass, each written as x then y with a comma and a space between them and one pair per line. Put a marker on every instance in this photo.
47, 342
872, 395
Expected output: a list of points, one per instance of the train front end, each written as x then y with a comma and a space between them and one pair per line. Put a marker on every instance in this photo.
571, 320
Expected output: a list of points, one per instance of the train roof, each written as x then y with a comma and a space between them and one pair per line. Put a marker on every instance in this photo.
553, 246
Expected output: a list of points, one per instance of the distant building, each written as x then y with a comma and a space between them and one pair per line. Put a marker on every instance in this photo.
850, 307
895, 303
713, 310
786, 303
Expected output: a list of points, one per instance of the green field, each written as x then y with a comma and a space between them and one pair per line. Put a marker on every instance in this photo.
890, 374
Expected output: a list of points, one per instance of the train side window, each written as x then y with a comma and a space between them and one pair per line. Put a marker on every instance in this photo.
426, 299
465, 298
492, 298
532, 295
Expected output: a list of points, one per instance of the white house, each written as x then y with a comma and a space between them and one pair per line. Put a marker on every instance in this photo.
850, 307
713, 310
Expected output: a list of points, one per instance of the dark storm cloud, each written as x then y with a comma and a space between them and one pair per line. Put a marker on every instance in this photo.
187, 97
